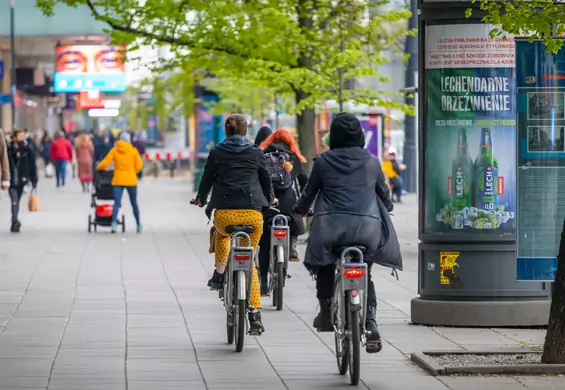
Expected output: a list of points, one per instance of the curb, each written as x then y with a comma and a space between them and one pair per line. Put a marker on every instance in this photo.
423, 360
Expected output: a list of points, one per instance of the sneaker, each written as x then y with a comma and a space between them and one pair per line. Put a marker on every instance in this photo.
139, 228
114, 227
255, 324
217, 281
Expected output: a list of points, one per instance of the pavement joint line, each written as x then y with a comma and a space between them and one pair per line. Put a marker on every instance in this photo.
124, 289
166, 275
32, 277
77, 276
315, 333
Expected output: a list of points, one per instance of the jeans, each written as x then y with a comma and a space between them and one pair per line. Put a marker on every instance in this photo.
325, 284
132, 193
61, 172
15, 196
397, 189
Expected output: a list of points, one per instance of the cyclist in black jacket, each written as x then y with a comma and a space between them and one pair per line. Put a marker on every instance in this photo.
236, 173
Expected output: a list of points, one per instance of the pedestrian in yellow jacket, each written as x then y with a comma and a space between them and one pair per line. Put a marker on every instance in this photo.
127, 164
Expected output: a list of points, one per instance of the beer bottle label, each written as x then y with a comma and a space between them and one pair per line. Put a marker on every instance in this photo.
487, 188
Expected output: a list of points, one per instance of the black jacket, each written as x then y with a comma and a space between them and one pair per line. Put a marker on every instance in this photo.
288, 197
22, 166
345, 183
236, 173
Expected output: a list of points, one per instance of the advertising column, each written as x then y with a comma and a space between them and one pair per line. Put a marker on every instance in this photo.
467, 254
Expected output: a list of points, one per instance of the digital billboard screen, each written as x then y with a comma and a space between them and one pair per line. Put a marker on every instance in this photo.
89, 68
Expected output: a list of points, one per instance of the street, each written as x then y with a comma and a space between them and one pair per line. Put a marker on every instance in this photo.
82, 311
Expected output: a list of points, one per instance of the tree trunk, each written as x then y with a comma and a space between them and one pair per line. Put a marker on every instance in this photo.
305, 126
554, 347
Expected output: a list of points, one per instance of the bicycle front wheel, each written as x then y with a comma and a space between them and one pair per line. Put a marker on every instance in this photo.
354, 347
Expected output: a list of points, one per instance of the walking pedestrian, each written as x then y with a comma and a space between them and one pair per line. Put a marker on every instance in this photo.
23, 171
127, 164
4, 163
84, 150
45, 154
61, 154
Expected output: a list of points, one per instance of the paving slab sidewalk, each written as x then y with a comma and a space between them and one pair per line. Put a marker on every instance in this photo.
127, 311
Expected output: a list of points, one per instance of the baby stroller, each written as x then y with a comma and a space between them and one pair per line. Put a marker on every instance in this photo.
103, 211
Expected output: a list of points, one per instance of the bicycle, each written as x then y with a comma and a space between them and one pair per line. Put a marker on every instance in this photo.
349, 312
238, 278
278, 265
235, 295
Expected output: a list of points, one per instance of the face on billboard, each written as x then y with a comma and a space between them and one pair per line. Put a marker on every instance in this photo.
89, 67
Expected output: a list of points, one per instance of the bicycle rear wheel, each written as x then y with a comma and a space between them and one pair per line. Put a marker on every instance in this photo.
228, 303
280, 277
240, 325
354, 346
341, 346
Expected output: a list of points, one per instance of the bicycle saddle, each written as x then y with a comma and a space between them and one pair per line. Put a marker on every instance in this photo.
240, 228
338, 250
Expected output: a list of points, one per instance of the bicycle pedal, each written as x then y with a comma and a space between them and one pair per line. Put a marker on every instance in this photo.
374, 347
288, 275
254, 332
294, 260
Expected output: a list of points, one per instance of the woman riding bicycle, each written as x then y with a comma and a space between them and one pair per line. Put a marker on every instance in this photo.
286, 161
345, 181
236, 173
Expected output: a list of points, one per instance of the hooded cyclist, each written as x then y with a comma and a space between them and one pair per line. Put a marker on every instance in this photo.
346, 183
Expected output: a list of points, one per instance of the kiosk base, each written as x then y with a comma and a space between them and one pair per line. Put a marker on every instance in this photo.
507, 314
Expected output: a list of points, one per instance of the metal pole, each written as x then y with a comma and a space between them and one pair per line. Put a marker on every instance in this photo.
410, 131
13, 60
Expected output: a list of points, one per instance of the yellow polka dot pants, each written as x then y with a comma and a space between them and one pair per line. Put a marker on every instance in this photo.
224, 218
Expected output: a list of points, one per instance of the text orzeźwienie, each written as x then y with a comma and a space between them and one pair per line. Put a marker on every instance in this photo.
470, 93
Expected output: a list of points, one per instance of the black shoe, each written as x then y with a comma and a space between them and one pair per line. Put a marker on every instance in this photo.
217, 281
264, 285
374, 343
323, 321
13, 228
293, 252
256, 327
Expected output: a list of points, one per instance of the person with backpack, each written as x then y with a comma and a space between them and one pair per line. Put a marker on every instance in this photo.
288, 178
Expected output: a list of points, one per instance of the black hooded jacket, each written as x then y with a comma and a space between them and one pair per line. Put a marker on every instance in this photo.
345, 182
236, 173
23, 169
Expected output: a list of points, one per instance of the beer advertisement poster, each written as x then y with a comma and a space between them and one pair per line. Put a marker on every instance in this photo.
471, 131
540, 79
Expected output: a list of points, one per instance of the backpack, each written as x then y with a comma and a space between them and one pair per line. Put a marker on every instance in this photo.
279, 177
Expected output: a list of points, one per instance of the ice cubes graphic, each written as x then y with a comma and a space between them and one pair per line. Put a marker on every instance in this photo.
467, 217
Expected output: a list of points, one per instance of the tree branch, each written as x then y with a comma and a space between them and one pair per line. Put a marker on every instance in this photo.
160, 38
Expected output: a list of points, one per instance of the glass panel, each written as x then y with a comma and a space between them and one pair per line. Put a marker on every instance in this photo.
541, 159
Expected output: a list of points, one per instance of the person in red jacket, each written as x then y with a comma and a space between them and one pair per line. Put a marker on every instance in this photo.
61, 154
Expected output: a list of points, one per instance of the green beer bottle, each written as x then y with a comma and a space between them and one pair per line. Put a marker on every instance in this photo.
462, 174
486, 174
